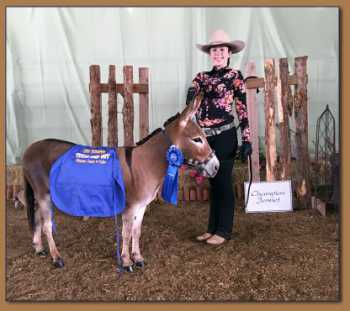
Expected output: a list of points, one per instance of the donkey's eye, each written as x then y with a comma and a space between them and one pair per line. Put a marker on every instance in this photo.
198, 140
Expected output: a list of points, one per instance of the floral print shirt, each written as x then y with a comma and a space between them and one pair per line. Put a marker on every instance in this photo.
220, 88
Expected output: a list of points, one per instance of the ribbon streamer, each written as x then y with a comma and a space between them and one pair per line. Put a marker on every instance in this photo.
175, 159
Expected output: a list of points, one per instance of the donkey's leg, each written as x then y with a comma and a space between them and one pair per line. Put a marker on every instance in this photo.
37, 241
45, 206
126, 233
136, 234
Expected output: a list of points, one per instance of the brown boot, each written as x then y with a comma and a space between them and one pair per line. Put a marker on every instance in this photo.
215, 240
203, 237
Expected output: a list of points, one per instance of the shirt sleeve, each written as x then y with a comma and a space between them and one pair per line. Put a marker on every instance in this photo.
194, 89
241, 106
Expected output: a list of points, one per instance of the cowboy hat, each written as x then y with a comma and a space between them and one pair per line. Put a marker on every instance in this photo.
220, 37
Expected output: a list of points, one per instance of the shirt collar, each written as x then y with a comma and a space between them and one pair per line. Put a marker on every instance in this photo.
219, 70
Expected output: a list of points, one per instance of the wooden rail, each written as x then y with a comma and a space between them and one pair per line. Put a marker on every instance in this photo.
126, 90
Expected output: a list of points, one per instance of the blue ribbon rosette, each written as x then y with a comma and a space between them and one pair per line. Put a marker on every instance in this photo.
175, 159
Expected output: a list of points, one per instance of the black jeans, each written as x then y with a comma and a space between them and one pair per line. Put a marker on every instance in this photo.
222, 199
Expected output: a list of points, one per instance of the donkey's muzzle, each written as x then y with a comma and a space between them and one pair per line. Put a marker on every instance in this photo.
207, 168
211, 167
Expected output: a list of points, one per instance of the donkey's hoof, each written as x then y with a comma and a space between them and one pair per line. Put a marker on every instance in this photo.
42, 253
139, 264
59, 263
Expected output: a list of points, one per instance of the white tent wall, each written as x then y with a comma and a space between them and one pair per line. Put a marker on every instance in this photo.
49, 51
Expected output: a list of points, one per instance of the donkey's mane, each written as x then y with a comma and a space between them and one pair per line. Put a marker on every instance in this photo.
143, 140
156, 131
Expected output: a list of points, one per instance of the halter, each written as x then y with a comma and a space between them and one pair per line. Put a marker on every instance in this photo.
200, 165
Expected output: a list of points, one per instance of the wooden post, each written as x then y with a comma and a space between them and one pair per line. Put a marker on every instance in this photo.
95, 99
270, 135
18, 183
9, 192
144, 118
283, 118
185, 185
238, 192
9, 182
186, 194
14, 181
181, 183
253, 122
199, 195
193, 194
128, 108
112, 139
205, 194
301, 135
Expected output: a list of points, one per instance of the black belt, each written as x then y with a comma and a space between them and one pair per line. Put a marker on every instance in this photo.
212, 131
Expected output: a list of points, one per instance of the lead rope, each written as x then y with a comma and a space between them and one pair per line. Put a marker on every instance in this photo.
249, 156
117, 239
250, 175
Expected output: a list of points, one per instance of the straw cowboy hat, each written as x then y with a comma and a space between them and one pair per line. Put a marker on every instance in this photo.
220, 37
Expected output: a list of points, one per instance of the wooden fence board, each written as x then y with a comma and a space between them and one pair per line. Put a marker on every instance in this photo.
301, 135
95, 100
128, 108
144, 106
253, 122
283, 118
141, 88
269, 108
112, 139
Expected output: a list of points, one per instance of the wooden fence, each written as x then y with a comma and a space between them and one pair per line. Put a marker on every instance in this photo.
126, 89
278, 98
277, 85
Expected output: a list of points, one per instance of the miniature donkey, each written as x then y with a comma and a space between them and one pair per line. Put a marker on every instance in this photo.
143, 171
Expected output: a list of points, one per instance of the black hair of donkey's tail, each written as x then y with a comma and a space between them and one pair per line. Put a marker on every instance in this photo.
30, 203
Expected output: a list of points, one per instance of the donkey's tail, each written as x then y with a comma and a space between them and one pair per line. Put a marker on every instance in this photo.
29, 201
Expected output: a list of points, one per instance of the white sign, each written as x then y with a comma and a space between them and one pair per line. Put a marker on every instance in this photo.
272, 196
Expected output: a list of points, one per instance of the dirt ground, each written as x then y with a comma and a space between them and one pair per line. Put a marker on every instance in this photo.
275, 257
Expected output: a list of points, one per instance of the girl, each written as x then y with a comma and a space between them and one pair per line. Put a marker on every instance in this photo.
221, 86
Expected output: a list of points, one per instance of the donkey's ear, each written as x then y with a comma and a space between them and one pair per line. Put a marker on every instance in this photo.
190, 110
197, 102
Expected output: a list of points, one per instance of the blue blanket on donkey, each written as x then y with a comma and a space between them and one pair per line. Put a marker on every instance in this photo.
88, 181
